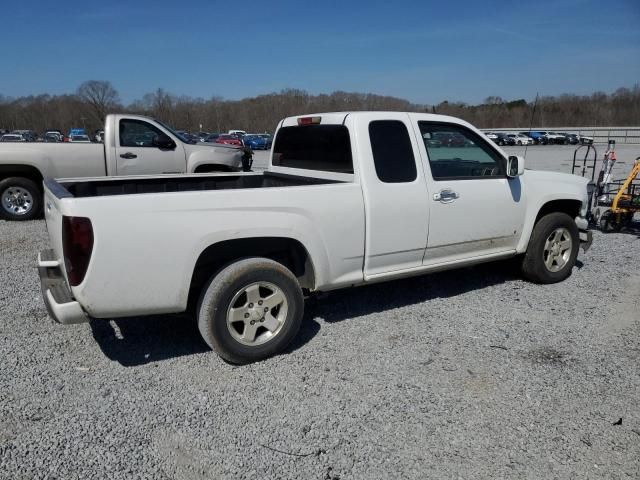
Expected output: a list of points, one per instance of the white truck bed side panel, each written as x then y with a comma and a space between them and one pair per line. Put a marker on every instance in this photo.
55, 160
147, 245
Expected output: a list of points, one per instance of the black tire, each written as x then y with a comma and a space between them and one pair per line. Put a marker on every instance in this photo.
534, 267
219, 293
627, 219
607, 222
30, 196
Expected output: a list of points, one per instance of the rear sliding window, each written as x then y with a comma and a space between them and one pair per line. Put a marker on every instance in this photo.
314, 147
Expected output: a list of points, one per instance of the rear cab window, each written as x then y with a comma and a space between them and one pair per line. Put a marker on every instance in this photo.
325, 148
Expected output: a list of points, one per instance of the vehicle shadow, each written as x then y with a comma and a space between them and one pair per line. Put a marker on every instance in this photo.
350, 303
141, 340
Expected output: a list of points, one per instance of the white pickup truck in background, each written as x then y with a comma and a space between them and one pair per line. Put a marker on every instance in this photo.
133, 145
348, 199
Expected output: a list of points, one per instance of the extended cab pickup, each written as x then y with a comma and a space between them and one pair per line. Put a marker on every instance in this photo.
133, 145
348, 199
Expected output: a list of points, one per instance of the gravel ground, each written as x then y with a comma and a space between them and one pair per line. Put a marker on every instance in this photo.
466, 374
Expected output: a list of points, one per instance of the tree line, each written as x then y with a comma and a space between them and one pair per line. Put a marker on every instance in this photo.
94, 99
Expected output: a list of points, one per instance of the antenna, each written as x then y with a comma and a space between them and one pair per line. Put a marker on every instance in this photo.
533, 112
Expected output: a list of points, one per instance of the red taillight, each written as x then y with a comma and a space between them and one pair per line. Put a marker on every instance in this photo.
77, 245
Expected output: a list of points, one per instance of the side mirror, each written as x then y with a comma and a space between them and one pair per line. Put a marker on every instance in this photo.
515, 166
163, 142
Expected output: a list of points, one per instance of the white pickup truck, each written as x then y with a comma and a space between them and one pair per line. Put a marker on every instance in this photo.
133, 145
348, 199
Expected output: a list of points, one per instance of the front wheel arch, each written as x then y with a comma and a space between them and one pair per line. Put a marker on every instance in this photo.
570, 207
556, 234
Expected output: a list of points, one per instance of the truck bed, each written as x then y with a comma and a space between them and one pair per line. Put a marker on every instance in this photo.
100, 188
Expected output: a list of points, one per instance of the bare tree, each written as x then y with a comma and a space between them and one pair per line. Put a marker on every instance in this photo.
100, 95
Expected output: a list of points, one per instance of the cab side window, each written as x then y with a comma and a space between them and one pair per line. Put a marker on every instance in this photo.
457, 153
392, 151
137, 133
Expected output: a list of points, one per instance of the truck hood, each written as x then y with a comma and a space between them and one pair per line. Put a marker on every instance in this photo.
543, 176
203, 146
213, 153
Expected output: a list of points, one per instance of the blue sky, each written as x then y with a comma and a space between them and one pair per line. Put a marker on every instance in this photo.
424, 51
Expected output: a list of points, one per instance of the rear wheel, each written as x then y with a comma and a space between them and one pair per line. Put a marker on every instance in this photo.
250, 310
20, 199
553, 249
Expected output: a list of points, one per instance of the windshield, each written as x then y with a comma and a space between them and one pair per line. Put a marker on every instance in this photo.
181, 136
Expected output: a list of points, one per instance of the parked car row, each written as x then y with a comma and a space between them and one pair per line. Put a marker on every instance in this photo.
254, 141
75, 135
537, 138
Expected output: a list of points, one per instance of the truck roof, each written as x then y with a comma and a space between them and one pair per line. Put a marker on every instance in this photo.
340, 117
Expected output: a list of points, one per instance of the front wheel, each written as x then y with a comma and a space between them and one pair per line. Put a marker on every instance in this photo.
553, 249
20, 199
250, 310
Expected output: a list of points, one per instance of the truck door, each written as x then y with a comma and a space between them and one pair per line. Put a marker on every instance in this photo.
395, 193
136, 154
475, 209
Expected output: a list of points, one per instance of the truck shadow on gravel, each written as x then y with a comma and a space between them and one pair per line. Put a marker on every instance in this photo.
138, 341
348, 303
141, 340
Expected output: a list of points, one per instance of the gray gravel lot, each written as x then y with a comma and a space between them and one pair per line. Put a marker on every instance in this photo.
466, 374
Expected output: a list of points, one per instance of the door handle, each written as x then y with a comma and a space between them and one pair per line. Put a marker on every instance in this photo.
446, 196
128, 155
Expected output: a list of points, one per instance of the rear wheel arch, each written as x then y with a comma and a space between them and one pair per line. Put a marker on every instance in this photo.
24, 171
22, 192
287, 251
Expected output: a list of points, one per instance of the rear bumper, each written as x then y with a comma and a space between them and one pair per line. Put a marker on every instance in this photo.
586, 237
56, 294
